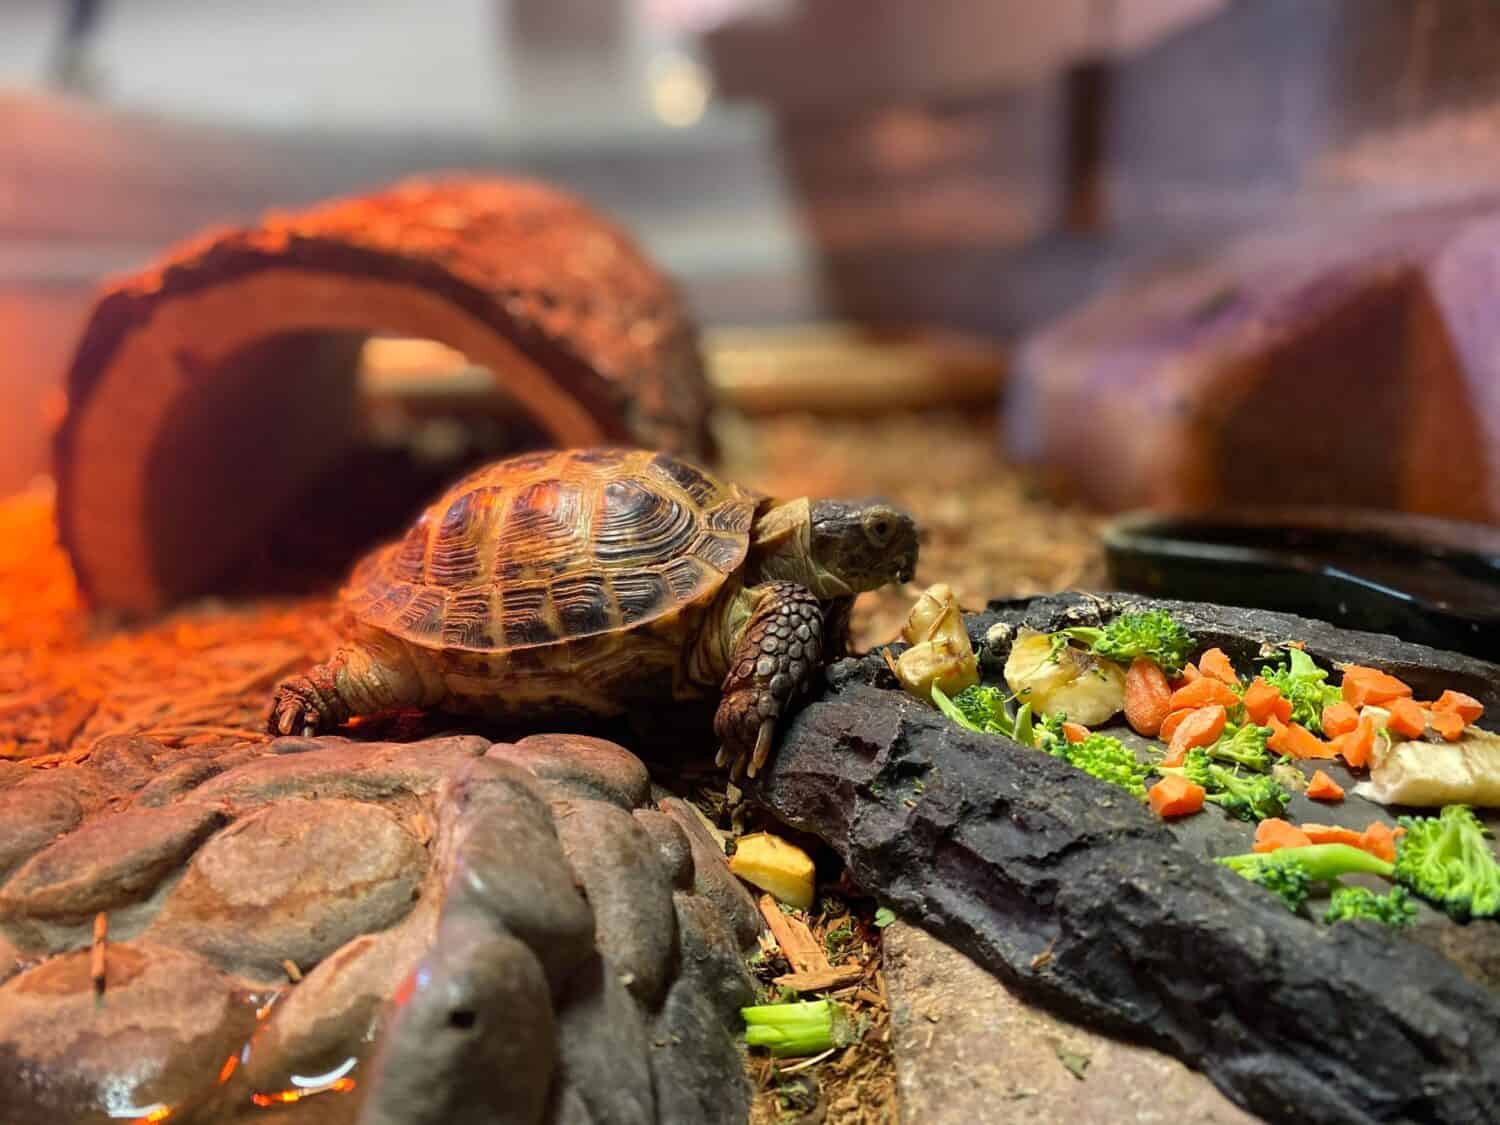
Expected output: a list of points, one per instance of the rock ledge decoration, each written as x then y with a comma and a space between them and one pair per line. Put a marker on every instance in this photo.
1084, 901
1352, 364
210, 387
428, 932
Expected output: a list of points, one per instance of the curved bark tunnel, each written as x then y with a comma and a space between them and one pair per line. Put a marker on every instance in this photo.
211, 388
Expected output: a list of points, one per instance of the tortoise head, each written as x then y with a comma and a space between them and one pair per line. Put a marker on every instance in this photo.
861, 545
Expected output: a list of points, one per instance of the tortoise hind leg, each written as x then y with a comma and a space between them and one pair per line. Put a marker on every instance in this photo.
358, 680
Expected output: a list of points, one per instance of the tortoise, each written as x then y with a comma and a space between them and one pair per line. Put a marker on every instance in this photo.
601, 581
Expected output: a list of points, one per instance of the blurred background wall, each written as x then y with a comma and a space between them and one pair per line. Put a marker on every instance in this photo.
979, 165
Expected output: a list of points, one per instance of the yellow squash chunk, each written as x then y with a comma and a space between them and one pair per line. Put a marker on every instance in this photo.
776, 866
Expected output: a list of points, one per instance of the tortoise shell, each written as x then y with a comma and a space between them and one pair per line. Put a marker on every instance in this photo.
553, 547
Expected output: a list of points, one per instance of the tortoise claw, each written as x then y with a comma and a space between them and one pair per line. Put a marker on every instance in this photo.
762, 750
295, 708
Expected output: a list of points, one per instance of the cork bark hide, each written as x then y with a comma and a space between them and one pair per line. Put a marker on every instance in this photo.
211, 387
1351, 364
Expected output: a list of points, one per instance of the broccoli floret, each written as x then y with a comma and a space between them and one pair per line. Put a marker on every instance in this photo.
1447, 859
1283, 876
984, 707
1305, 686
1354, 903
1253, 797
1288, 872
1050, 728
1151, 633
1106, 758
1244, 746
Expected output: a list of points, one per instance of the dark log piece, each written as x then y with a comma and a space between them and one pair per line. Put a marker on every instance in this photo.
1077, 895
211, 387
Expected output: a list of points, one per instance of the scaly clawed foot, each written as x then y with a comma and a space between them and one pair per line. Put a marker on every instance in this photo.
774, 660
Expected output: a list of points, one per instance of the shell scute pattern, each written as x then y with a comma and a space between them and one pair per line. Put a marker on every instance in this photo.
549, 548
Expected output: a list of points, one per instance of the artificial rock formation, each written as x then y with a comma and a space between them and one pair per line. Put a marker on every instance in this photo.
441, 931
1215, 384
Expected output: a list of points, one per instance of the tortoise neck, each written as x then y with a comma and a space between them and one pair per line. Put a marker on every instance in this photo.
781, 551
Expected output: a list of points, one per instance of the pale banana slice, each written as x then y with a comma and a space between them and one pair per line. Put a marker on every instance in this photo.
1087, 688
1430, 774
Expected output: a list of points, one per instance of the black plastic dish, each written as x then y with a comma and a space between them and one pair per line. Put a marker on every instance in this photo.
1432, 581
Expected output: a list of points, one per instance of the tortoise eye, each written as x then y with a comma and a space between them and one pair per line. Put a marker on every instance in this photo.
879, 528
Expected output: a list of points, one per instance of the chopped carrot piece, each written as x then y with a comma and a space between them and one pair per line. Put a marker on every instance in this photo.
1199, 729
1169, 724
1449, 724
1363, 686
1174, 758
1203, 692
1380, 841
1146, 697
1333, 834
1216, 665
1188, 674
1377, 839
1406, 719
1324, 788
1175, 796
1296, 741
1262, 701
1356, 746
1339, 718
1274, 833
1075, 732
1464, 706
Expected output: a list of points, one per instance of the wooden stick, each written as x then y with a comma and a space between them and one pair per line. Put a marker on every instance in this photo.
97, 969
801, 949
822, 979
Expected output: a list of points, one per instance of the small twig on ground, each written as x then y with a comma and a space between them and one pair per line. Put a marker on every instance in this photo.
805, 1063
800, 948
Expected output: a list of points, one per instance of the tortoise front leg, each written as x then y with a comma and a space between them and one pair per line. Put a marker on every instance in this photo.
357, 680
773, 661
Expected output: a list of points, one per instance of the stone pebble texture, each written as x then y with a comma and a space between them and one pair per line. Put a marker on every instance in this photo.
443, 931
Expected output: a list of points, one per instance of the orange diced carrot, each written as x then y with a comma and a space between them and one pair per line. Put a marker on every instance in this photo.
1363, 686
1199, 729
1297, 741
1356, 746
1169, 724
1464, 706
1273, 833
1407, 719
1146, 697
1175, 796
1380, 841
1075, 732
1203, 692
1262, 701
1216, 665
1188, 674
1339, 718
1324, 788
1449, 724
1333, 834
